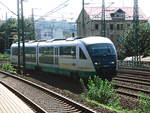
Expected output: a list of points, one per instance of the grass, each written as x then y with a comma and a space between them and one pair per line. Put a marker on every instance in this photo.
144, 106
112, 108
67, 91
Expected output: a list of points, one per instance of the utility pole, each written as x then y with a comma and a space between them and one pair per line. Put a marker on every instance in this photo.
33, 26
23, 40
136, 30
18, 30
83, 23
6, 33
103, 21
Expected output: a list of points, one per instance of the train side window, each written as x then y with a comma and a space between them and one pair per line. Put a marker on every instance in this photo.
81, 54
30, 50
44, 50
51, 52
68, 52
14, 51
30, 53
46, 55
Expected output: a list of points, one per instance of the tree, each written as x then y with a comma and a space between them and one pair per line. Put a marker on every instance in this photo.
127, 46
29, 35
8, 32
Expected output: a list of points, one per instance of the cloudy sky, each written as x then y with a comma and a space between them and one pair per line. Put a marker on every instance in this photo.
68, 9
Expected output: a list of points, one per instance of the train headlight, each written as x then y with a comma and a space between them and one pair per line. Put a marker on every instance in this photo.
112, 62
97, 63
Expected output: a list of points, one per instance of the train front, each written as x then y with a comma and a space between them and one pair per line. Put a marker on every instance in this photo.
104, 58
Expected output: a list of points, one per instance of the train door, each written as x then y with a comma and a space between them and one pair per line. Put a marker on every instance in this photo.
56, 52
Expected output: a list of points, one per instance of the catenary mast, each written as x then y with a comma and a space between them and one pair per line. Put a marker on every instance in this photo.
136, 30
103, 22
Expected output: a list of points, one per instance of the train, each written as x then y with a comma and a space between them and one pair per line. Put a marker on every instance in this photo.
74, 56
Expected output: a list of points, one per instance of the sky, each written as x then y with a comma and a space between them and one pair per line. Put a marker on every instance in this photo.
69, 10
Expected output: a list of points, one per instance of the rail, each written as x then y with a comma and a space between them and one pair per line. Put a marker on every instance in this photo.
64, 99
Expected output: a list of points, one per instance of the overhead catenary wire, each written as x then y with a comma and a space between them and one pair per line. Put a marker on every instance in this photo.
7, 8
59, 7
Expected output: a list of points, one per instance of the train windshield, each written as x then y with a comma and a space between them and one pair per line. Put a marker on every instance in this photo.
102, 49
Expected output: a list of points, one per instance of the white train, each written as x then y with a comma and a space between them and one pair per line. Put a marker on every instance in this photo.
73, 56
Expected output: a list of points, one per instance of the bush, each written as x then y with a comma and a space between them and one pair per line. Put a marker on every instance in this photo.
144, 103
4, 55
8, 67
101, 91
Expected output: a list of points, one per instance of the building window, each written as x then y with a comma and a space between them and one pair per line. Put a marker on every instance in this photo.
128, 25
96, 26
111, 27
45, 34
119, 26
112, 14
117, 15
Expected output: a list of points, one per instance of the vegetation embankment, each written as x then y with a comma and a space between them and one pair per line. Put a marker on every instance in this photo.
101, 92
4, 56
8, 67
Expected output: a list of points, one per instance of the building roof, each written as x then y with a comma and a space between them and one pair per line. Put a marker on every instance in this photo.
95, 13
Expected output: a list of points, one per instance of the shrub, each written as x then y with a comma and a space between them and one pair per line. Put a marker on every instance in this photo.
101, 91
4, 55
8, 67
144, 103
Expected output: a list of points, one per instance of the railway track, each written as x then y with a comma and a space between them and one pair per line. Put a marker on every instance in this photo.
130, 91
137, 71
57, 102
133, 80
132, 84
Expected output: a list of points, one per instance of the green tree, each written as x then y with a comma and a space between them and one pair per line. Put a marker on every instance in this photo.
8, 32
28, 29
127, 44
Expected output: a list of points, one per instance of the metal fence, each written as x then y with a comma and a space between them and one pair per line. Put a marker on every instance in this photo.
133, 64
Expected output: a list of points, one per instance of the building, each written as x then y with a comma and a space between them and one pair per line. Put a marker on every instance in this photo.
46, 30
117, 20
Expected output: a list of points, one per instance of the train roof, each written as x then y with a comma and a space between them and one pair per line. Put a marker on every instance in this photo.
68, 41
95, 39
29, 43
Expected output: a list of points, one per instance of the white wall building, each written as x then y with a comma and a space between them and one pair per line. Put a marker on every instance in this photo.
46, 30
